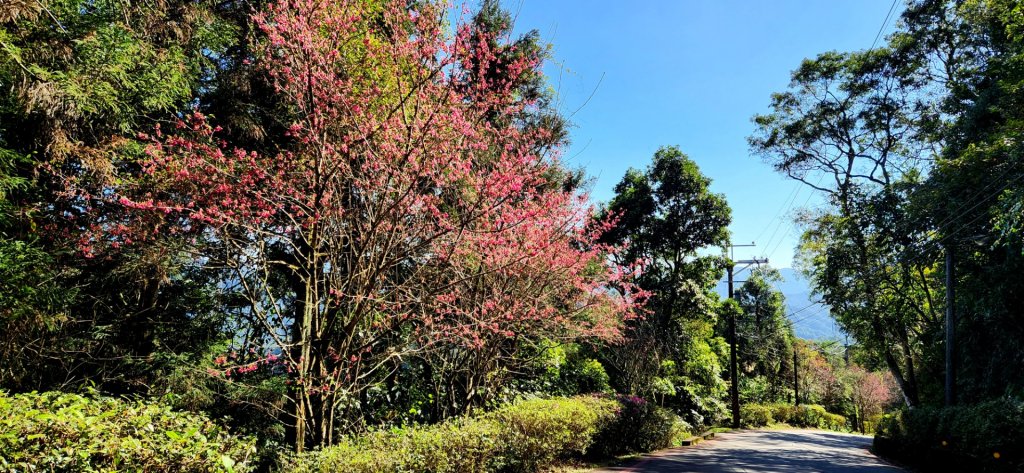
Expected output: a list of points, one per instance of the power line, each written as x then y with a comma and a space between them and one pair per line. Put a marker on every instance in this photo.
922, 245
804, 318
878, 35
792, 197
791, 314
780, 216
884, 23
806, 202
953, 216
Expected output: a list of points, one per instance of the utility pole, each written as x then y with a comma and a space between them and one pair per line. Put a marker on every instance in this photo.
734, 388
950, 325
796, 378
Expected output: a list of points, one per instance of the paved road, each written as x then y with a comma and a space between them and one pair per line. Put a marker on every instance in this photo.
768, 451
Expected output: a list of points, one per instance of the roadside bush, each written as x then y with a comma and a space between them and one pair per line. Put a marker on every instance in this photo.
832, 422
871, 423
784, 413
697, 408
55, 431
456, 446
985, 437
756, 415
815, 416
521, 437
538, 431
640, 426
810, 416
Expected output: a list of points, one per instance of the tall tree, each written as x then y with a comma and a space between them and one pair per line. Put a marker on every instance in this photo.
667, 214
764, 334
461, 377
851, 128
916, 144
972, 200
78, 78
403, 212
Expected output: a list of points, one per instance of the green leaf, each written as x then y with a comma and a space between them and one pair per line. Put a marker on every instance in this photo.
228, 462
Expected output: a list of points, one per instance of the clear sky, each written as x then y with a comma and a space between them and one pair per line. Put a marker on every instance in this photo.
692, 74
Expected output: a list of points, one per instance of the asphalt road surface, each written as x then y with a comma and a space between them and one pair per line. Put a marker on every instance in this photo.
769, 451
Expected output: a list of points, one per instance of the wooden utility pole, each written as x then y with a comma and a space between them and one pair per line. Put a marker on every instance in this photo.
950, 325
796, 378
734, 388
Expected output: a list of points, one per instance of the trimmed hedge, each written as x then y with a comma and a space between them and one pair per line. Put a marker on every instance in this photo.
56, 431
523, 437
536, 432
985, 437
810, 416
756, 415
465, 445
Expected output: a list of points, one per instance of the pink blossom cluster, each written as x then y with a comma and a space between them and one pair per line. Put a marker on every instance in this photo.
236, 369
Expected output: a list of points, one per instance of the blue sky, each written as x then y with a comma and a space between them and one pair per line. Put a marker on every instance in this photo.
692, 74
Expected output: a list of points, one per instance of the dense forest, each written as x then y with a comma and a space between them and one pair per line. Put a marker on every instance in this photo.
337, 235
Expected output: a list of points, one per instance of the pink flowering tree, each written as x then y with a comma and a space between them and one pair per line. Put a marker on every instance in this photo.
817, 378
409, 207
871, 393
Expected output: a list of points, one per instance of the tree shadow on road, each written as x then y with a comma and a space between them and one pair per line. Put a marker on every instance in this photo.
768, 452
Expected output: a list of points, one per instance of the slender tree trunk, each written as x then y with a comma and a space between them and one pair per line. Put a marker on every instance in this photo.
907, 384
305, 372
906, 388
911, 373
296, 422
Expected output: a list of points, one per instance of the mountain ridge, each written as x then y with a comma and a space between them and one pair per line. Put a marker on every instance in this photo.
811, 320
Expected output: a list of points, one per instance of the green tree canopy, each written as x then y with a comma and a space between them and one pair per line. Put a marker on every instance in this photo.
667, 214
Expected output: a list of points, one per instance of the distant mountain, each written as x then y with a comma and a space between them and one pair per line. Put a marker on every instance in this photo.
810, 321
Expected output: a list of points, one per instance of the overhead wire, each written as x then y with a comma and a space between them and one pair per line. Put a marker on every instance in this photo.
927, 242
806, 202
884, 23
791, 198
780, 216
978, 198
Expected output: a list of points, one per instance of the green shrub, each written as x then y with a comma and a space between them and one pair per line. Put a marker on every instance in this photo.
640, 426
456, 446
583, 376
832, 422
756, 415
985, 437
535, 432
698, 407
784, 413
871, 423
521, 437
69, 432
680, 430
811, 416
